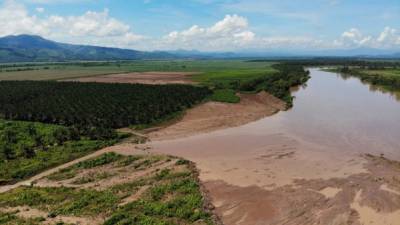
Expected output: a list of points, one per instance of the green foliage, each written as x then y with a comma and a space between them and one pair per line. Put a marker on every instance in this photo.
225, 95
35, 147
12, 219
99, 161
172, 197
61, 201
387, 78
94, 107
279, 83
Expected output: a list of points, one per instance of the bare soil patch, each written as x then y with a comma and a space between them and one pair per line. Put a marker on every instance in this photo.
212, 116
141, 78
365, 198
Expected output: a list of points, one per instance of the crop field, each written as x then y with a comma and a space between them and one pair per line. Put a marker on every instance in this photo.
212, 70
87, 105
112, 189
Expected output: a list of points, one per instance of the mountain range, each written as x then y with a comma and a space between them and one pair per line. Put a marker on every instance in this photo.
31, 48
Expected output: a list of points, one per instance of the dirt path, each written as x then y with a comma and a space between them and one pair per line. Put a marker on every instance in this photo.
124, 148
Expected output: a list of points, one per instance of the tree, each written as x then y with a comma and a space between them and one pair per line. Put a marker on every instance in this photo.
7, 152
61, 135
28, 151
10, 136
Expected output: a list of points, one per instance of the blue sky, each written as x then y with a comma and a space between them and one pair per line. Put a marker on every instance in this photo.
208, 25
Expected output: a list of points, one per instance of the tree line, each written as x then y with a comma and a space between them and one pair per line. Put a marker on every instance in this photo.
279, 83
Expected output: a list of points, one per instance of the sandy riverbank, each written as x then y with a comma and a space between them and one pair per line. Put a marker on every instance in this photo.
212, 116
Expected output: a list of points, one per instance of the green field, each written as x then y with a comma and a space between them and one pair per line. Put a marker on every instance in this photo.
214, 70
385, 72
225, 95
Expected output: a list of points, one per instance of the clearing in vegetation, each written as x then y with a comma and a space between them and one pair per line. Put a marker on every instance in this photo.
225, 95
27, 148
143, 189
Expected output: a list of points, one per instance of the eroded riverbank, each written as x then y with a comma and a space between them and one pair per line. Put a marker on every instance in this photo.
306, 165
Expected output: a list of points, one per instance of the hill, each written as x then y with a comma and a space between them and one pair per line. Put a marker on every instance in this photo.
30, 48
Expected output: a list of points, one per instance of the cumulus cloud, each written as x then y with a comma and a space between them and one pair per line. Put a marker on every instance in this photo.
388, 38
85, 29
231, 33
232, 30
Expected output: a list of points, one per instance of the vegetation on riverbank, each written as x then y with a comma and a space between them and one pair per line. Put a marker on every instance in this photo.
28, 148
164, 190
388, 78
279, 83
225, 95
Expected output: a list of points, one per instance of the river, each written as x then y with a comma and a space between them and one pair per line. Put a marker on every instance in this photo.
334, 122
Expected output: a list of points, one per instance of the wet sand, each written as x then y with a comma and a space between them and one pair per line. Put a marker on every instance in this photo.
307, 165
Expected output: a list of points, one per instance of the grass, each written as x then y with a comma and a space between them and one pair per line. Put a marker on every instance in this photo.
116, 160
385, 72
28, 148
213, 69
172, 196
225, 95
12, 219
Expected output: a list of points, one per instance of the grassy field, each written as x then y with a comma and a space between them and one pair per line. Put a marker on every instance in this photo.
213, 69
141, 193
225, 95
27, 148
386, 72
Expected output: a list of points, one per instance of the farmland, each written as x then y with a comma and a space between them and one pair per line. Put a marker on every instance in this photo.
112, 189
87, 105
213, 70
28, 148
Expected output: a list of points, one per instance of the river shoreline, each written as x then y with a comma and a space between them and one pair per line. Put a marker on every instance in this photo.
293, 169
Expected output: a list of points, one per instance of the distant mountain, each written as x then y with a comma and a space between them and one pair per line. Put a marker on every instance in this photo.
30, 48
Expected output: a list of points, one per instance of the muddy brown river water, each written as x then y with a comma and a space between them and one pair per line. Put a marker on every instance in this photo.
305, 165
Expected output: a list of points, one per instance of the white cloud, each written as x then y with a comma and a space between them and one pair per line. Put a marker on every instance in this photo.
90, 28
232, 31
388, 38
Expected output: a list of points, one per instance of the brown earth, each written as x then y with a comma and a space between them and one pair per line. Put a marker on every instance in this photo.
142, 78
212, 116
372, 197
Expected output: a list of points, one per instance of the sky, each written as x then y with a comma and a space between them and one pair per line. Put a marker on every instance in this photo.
208, 25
